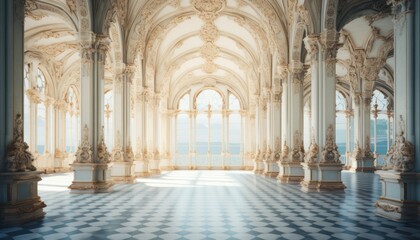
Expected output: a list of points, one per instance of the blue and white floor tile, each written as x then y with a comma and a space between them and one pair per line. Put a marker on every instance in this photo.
212, 205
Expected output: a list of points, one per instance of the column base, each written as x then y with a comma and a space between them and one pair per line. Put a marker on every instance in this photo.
123, 172
141, 168
363, 165
270, 169
19, 200
91, 178
319, 177
258, 167
399, 202
290, 172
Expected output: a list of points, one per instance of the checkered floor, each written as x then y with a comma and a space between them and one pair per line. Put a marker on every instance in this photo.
214, 205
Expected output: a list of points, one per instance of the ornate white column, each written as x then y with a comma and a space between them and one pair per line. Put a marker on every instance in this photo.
400, 198
91, 168
154, 163
19, 201
271, 168
261, 132
388, 129
190, 144
208, 139
322, 170
348, 151
290, 164
375, 117
60, 135
195, 137
142, 163
226, 155
122, 155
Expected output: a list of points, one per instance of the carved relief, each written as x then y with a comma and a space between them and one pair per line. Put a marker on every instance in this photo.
298, 153
311, 155
330, 152
388, 207
368, 151
103, 154
285, 153
84, 152
357, 152
18, 157
401, 155
208, 11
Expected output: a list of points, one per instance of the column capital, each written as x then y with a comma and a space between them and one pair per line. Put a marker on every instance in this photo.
312, 44
328, 44
86, 52
101, 45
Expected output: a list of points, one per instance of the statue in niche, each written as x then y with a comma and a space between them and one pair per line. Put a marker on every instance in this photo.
18, 157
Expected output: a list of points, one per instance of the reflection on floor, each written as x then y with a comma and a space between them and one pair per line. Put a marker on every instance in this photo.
215, 205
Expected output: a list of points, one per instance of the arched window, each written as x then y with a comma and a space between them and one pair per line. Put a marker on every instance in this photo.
208, 131
341, 125
209, 106
381, 127
41, 118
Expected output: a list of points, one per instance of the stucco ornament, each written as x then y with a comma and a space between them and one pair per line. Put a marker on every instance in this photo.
368, 150
297, 153
330, 152
401, 155
208, 11
285, 153
103, 154
84, 152
312, 154
357, 151
18, 157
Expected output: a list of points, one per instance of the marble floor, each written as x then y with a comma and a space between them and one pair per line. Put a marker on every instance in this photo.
212, 205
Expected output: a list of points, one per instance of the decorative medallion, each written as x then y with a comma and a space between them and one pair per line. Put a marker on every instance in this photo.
213, 6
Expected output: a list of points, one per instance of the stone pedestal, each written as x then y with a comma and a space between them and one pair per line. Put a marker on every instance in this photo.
123, 172
91, 178
141, 168
270, 169
290, 172
399, 201
19, 200
322, 177
364, 164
